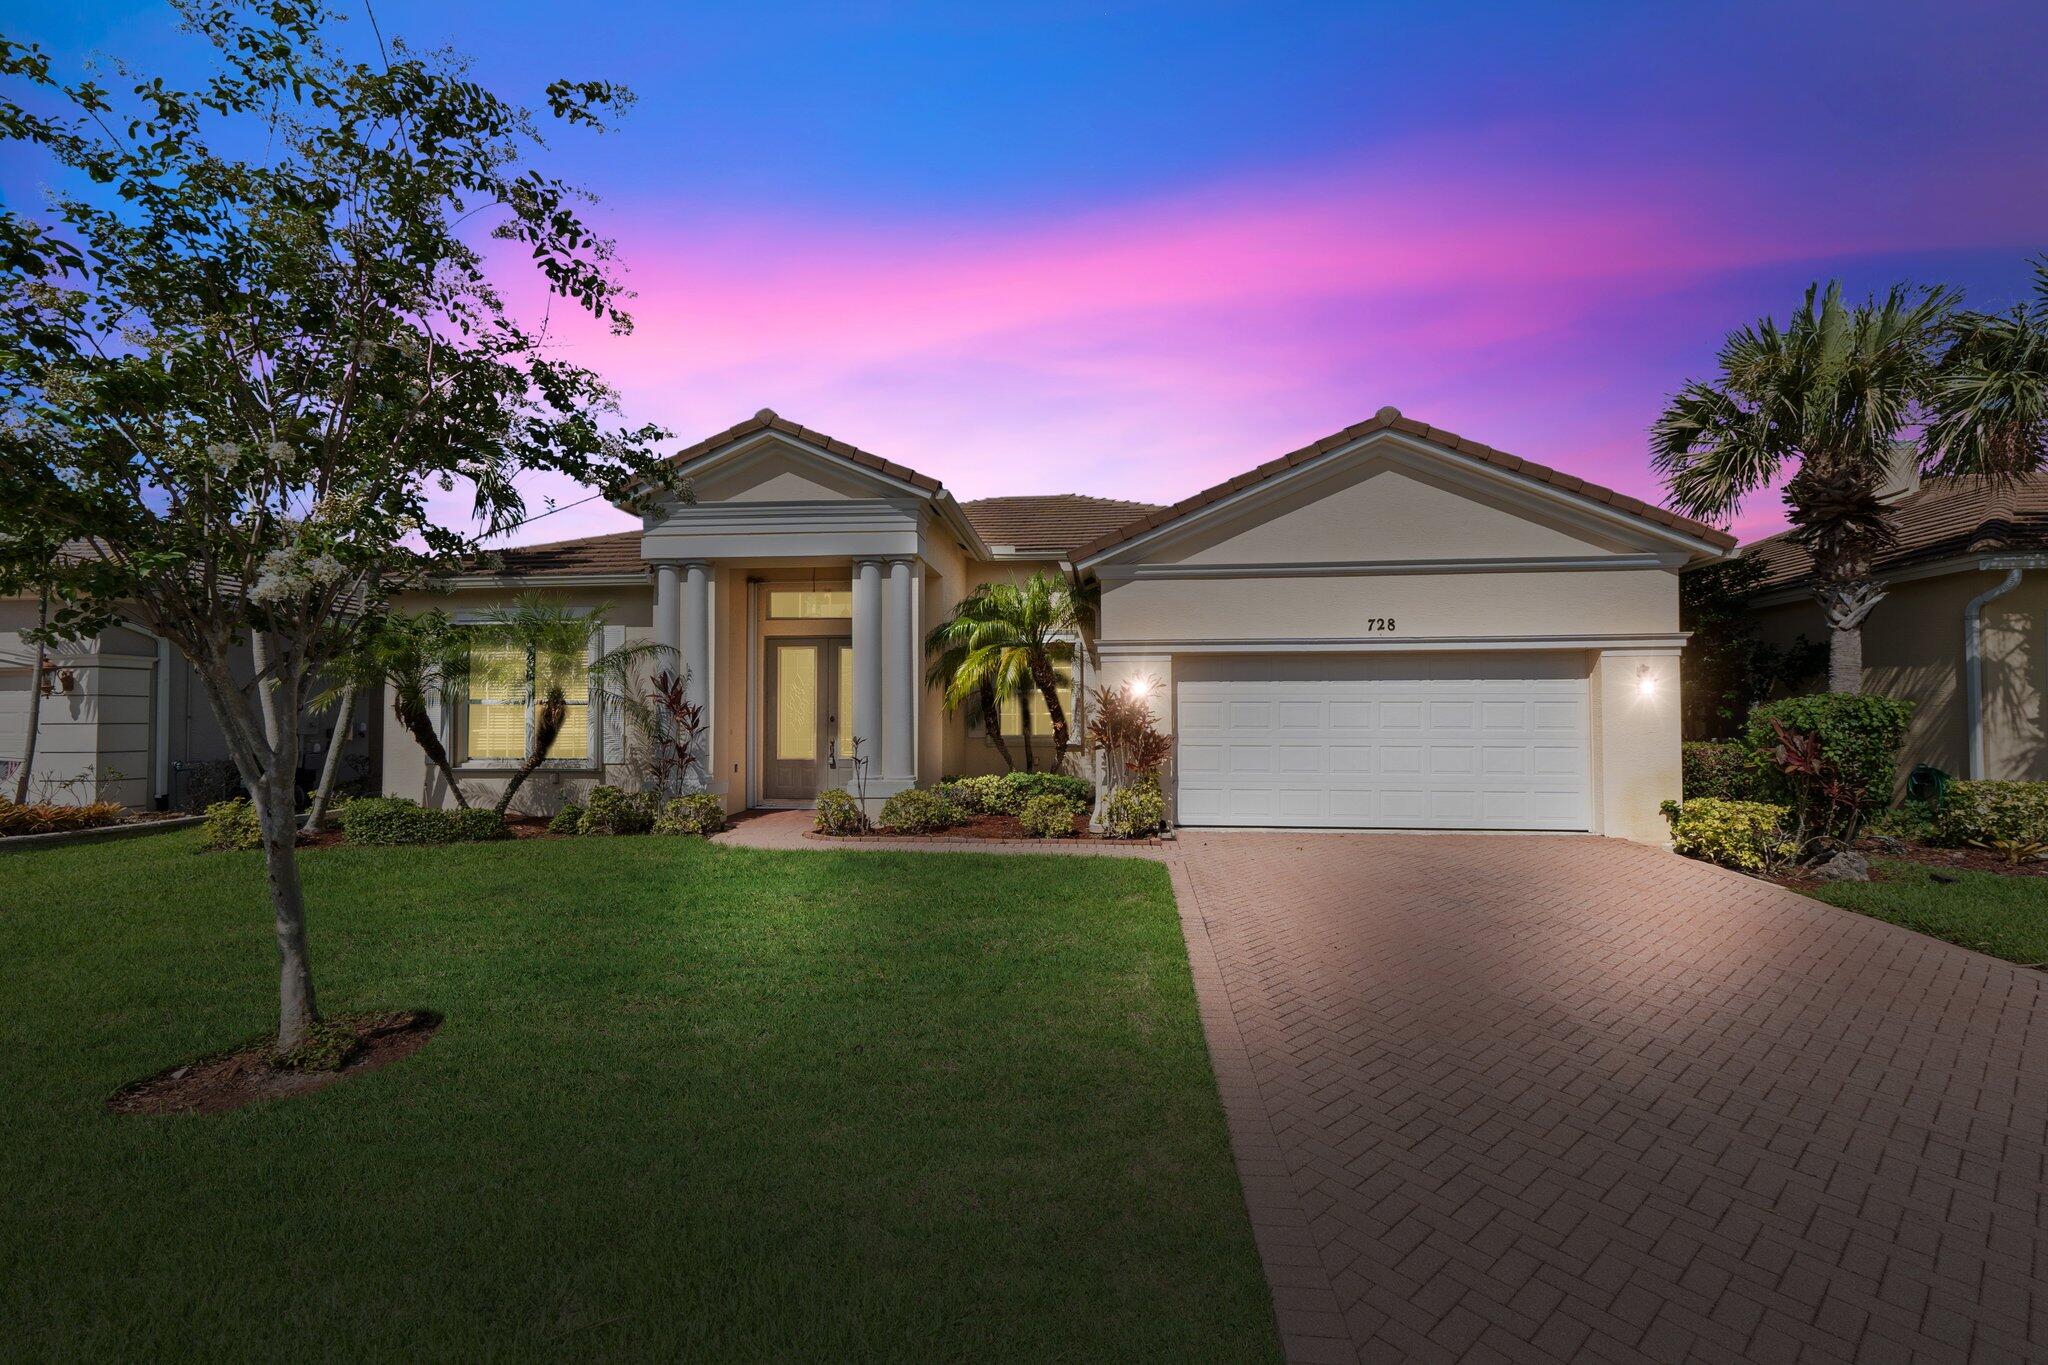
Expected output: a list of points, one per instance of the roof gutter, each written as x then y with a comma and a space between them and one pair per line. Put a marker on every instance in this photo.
1973, 650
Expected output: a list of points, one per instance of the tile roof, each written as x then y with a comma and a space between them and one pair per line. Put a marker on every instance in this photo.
767, 419
1053, 522
616, 552
1390, 419
1941, 518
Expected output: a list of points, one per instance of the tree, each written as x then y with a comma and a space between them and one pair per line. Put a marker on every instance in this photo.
1005, 633
979, 688
423, 662
1990, 402
537, 646
337, 740
35, 550
1725, 668
1828, 395
253, 333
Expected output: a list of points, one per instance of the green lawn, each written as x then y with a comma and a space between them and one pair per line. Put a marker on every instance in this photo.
2004, 916
687, 1101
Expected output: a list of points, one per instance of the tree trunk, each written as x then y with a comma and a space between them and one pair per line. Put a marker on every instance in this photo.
296, 1011
992, 715
413, 716
547, 728
343, 725
35, 701
1845, 602
1049, 687
1023, 731
1845, 659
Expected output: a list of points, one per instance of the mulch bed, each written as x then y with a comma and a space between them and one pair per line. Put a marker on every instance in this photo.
1000, 827
229, 1080
1939, 859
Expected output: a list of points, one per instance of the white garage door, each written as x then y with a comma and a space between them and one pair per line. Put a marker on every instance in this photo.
1382, 742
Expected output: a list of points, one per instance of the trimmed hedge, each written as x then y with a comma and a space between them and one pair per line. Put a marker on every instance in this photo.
1718, 769
1746, 835
231, 825
391, 821
1075, 790
607, 810
1049, 816
1859, 733
1135, 813
698, 813
919, 810
1989, 813
567, 820
839, 813
991, 795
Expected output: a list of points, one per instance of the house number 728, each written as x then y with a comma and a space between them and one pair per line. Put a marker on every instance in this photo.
1379, 623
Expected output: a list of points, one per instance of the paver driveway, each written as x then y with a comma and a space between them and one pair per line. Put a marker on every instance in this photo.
1530, 1097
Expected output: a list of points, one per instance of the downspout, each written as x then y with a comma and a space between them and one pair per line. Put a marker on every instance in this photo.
1973, 666
162, 756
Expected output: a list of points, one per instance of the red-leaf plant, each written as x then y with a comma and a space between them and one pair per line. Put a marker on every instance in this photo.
676, 755
1798, 756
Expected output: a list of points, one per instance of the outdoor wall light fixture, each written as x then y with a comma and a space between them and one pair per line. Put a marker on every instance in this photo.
1138, 688
1646, 682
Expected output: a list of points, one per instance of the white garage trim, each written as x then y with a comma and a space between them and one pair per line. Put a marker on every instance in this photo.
1397, 644
1372, 742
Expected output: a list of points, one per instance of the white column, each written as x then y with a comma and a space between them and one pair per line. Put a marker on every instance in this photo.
899, 677
668, 613
867, 663
696, 644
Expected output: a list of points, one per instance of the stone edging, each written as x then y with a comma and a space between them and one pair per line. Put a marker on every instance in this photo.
78, 836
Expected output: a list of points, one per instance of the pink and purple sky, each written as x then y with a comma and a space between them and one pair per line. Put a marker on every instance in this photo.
1133, 249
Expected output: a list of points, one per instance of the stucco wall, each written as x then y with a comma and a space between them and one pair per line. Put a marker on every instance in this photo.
1430, 606
1913, 650
1635, 735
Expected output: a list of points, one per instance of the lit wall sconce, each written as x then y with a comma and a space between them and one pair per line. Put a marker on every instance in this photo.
1138, 688
1646, 682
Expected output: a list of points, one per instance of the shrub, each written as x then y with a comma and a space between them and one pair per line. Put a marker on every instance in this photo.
1074, 789
697, 813
474, 826
1135, 812
1050, 816
36, 817
839, 813
1859, 735
1718, 769
1991, 813
1747, 835
918, 810
1909, 820
386, 821
567, 820
989, 795
231, 824
611, 811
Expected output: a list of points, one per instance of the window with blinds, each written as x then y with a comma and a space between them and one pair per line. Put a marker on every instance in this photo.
504, 682
1041, 715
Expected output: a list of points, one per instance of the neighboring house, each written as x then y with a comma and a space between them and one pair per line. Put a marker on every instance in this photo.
125, 719
1392, 628
1962, 631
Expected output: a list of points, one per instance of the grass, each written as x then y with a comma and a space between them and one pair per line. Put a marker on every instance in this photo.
687, 1101
2004, 916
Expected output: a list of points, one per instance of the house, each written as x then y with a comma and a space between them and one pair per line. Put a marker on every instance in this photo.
1394, 627
1962, 631
124, 718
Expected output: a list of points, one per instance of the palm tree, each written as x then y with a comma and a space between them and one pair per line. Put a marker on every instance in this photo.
1991, 390
1002, 640
1830, 395
541, 644
424, 660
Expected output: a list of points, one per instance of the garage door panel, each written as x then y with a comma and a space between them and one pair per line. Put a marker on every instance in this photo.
1497, 742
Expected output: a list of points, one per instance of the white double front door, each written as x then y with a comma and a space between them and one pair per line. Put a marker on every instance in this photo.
1384, 742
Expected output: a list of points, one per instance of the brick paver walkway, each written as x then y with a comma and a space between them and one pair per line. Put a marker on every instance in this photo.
1529, 1098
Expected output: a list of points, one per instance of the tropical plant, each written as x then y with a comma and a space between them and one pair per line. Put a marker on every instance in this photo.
1125, 740
537, 647
423, 661
1050, 816
250, 337
1990, 400
1002, 640
1858, 737
1135, 812
675, 729
1829, 395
